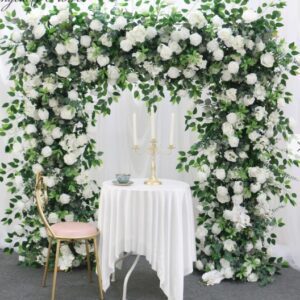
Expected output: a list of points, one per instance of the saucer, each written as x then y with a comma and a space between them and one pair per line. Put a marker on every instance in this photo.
122, 184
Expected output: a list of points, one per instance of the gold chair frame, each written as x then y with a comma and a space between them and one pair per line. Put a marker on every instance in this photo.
41, 192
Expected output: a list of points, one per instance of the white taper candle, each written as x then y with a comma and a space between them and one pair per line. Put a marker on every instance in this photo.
152, 118
135, 142
172, 125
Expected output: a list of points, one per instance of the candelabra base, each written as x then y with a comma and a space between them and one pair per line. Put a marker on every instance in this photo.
152, 181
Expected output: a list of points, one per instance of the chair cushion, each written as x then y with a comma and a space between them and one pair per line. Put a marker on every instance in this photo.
74, 230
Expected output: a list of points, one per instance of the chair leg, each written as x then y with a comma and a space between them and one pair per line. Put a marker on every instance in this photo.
88, 260
98, 269
47, 264
55, 269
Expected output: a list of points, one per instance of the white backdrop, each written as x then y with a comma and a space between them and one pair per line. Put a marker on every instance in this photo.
114, 137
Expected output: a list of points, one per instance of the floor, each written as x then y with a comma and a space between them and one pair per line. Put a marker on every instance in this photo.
21, 283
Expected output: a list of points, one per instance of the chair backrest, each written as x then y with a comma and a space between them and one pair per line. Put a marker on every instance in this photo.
41, 198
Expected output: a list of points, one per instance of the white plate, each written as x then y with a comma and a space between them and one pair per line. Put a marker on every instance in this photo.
122, 184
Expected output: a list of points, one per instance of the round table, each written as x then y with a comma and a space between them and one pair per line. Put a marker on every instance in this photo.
154, 221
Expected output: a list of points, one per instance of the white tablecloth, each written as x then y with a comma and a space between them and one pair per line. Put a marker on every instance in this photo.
154, 221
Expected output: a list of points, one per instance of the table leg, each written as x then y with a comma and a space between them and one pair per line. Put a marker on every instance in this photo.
113, 276
128, 276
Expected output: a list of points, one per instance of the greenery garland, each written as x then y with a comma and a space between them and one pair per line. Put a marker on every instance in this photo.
69, 65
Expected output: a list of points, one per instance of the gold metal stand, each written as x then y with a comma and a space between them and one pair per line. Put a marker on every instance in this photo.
153, 180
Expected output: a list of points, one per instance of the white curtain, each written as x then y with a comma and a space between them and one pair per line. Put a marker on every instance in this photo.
114, 137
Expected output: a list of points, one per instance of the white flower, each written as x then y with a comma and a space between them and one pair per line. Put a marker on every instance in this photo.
199, 265
232, 118
16, 36
165, 52
189, 73
70, 159
30, 128
238, 187
85, 41
233, 67
67, 112
34, 58
247, 100
34, 16
233, 141
49, 181
66, 259
255, 187
30, 69
267, 60
217, 21
175, 47
184, 33
222, 194
260, 46
259, 113
62, 5
252, 277
173, 72
126, 45
220, 174
249, 247
197, 19
120, 23
63, 72
231, 94
212, 277
201, 232
64, 198
46, 151
113, 73
253, 136
73, 95
89, 75
53, 218
151, 33
202, 176
53, 102
43, 232
250, 16
251, 79
213, 45
281, 103
102, 60
20, 51
230, 156
72, 45
226, 76
225, 34
218, 55
74, 60
229, 245
105, 40
38, 31
69, 217
132, 77
137, 34
43, 114
96, 25
195, 39
216, 229
237, 199
56, 133
227, 129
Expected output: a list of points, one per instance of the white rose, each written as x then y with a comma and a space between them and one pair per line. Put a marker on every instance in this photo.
252, 277
184, 33
126, 45
43, 114
69, 217
165, 52
43, 232
238, 187
197, 19
201, 232
67, 112
34, 58
281, 103
38, 31
120, 23
37, 168
232, 118
250, 16
249, 247
151, 33
175, 47
56, 133
237, 199
74, 60
251, 78
72, 45
173, 72
189, 73
132, 77
102, 60
53, 102
267, 60
73, 95
233, 141
137, 34
253, 136
247, 100
20, 51
225, 34
53, 218
231, 94
16, 36
213, 45
222, 190
229, 245
105, 40
212, 277
64, 199
260, 46
218, 55
60, 49
217, 21
30, 69
195, 39
255, 187
70, 159
216, 229
233, 67
199, 265
202, 176
85, 41
46, 151
220, 174
30, 128
113, 73
49, 181
227, 129
96, 25
259, 113
226, 76
230, 156
63, 72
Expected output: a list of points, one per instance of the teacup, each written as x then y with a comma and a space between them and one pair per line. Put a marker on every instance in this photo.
123, 178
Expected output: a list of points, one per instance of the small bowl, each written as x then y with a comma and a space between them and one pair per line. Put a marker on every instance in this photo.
123, 178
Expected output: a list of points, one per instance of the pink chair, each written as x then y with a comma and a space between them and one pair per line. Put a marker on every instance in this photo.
66, 232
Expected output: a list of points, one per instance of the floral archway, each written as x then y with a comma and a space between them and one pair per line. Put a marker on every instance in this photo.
64, 59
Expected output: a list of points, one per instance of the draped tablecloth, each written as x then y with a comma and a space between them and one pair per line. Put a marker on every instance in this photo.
154, 221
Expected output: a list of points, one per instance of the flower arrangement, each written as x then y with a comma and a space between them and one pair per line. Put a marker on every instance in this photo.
69, 65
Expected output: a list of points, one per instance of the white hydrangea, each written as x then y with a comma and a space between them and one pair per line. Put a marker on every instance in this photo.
197, 19
64, 198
